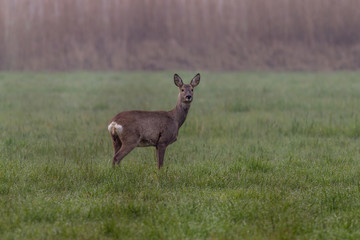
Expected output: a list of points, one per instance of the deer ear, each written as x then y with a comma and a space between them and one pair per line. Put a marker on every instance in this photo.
196, 80
178, 81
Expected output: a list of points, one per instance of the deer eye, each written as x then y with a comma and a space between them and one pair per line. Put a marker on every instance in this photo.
182, 90
192, 90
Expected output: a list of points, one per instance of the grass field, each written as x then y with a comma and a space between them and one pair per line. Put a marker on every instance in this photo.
260, 156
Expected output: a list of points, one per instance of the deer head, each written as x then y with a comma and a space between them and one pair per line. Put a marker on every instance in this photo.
186, 91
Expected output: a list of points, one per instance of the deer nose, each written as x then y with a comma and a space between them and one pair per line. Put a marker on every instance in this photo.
188, 97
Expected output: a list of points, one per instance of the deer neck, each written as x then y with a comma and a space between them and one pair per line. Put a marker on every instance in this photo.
180, 112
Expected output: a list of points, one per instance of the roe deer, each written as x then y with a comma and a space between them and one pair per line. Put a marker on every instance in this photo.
132, 129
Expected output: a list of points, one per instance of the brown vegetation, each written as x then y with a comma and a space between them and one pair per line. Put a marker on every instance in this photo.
185, 34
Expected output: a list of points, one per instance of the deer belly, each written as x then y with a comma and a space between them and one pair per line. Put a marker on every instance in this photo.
146, 143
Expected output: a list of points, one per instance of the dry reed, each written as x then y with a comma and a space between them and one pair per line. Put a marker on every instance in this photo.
183, 34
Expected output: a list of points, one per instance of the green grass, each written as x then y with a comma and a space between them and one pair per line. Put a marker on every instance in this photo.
261, 156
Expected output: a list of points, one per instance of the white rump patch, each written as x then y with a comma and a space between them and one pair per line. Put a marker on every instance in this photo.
114, 127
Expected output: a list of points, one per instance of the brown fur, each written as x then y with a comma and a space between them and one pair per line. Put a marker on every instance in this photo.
152, 128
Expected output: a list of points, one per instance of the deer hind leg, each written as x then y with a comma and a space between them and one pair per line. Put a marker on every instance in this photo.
124, 150
116, 143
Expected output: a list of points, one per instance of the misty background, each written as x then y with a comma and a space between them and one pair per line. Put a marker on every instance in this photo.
212, 35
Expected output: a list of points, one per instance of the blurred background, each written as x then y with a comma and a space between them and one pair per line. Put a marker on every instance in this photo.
214, 35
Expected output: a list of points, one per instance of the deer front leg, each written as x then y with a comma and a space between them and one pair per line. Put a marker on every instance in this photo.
160, 152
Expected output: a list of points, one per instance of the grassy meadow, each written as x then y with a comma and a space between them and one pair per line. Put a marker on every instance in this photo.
260, 156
